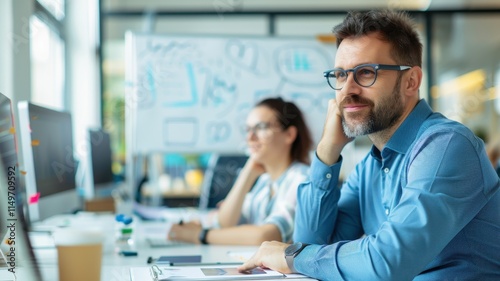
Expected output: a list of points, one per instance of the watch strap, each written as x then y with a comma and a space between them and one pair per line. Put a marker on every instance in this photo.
289, 263
290, 258
203, 236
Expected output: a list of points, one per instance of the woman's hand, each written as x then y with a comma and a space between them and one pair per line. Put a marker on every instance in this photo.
185, 232
230, 211
253, 168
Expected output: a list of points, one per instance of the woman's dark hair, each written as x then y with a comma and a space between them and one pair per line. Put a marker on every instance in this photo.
288, 114
394, 27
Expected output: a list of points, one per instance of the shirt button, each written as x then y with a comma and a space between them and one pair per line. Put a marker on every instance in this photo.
328, 175
386, 170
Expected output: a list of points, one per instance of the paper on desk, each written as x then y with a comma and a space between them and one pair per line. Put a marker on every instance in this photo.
172, 273
241, 255
145, 274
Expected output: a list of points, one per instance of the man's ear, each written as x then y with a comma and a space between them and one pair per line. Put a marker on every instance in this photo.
414, 79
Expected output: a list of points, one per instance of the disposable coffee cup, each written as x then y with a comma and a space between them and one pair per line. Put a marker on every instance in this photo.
79, 253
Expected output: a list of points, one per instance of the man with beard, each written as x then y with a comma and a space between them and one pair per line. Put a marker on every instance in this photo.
423, 204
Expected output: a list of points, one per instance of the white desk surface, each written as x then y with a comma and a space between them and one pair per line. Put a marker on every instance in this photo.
117, 268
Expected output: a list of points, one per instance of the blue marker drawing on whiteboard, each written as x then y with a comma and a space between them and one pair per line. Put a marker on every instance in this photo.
308, 101
221, 95
239, 121
218, 132
263, 93
186, 93
146, 91
300, 65
245, 55
226, 76
304, 100
222, 91
301, 62
180, 131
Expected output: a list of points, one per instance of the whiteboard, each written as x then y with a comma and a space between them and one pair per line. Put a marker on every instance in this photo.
193, 93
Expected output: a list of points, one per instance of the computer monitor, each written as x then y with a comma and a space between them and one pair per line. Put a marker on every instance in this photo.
7, 133
46, 138
13, 225
220, 176
99, 175
16, 253
8, 151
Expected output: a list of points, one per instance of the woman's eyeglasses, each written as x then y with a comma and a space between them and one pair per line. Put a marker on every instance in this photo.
261, 129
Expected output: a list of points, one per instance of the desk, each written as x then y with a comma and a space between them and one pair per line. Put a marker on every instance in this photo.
117, 268
179, 196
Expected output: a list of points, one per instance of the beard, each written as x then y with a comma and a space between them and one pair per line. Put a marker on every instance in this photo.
382, 116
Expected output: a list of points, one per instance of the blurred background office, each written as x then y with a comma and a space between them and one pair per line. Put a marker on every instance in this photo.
70, 54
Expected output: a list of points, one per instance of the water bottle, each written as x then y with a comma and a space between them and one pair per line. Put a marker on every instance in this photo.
124, 234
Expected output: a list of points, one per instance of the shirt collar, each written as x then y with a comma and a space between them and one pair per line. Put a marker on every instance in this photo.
282, 177
408, 130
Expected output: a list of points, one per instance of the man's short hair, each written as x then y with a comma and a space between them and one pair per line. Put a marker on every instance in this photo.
394, 27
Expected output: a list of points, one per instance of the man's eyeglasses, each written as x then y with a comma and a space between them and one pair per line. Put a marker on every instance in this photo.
365, 75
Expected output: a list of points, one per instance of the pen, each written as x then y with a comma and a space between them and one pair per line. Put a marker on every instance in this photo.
126, 253
202, 263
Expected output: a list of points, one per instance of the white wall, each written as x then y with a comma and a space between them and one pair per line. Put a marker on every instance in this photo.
15, 70
6, 86
83, 68
15, 75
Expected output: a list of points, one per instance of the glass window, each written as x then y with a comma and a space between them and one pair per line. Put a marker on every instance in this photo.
55, 7
466, 63
47, 65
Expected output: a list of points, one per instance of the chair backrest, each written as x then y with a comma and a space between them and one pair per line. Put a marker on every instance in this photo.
220, 176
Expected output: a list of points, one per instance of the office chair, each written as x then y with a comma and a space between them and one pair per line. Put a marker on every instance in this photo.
220, 176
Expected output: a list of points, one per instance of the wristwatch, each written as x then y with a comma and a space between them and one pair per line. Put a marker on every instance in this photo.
203, 236
292, 251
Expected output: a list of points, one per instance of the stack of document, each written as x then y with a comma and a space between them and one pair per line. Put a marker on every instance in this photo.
220, 272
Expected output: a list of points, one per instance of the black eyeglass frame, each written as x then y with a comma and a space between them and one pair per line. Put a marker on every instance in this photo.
375, 66
262, 126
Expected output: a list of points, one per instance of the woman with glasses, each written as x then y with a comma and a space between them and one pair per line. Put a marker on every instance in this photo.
261, 204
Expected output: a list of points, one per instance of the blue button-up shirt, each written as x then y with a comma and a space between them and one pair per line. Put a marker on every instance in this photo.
426, 207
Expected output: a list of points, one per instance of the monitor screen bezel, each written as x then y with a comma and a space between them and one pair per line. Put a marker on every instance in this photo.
42, 206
